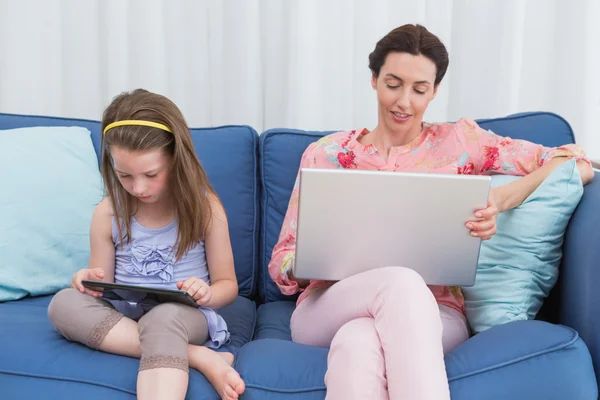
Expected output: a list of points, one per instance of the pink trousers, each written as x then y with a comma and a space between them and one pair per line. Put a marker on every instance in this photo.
386, 333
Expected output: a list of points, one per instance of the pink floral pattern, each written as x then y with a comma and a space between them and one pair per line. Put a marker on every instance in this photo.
459, 148
346, 160
466, 169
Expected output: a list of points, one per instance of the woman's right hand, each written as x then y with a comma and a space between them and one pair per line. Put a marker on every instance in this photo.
90, 274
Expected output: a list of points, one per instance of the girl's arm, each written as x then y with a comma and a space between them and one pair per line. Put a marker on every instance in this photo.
101, 265
219, 255
102, 248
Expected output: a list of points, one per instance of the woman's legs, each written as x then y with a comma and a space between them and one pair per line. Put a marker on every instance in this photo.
455, 329
355, 363
407, 322
93, 322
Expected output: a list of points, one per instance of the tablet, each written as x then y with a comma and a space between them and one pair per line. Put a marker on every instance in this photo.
140, 294
352, 221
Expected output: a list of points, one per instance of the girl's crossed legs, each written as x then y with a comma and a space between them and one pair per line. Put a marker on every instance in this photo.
387, 336
167, 339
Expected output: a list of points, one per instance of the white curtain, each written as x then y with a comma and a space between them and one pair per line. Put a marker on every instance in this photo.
297, 63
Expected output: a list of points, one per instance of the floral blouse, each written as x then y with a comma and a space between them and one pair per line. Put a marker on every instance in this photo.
451, 148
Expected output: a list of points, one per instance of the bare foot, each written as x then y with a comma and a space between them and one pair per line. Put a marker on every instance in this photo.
217, 368
228, 357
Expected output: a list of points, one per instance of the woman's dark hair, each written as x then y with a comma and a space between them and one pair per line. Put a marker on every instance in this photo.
415, 40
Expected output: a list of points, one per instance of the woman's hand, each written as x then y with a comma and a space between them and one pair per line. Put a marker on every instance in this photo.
87, 274
484, 226
198, 289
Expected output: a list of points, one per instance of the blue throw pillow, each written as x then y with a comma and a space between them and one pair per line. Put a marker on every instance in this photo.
50, 186
519, 266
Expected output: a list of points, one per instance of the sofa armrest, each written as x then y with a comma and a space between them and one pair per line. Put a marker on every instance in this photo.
580, 272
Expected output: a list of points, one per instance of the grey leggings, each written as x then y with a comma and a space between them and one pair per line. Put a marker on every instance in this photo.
165, 330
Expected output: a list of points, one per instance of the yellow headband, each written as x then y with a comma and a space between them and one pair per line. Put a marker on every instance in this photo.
128, 122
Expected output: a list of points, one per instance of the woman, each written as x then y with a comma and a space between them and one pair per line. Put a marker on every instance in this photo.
390, 331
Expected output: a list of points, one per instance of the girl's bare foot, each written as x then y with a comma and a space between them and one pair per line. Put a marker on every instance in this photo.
228, 357
217, 368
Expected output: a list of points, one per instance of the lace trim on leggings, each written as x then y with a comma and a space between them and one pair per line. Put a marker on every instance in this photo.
152, 362
97, 334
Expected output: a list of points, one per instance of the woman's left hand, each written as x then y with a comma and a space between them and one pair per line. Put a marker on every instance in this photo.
484, 226
197, 288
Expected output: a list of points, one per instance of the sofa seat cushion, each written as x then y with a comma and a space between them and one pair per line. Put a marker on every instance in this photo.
518, 360
273, 320
35, 359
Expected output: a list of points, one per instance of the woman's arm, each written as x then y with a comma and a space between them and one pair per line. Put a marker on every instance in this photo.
493, 154
219, 256
513, 194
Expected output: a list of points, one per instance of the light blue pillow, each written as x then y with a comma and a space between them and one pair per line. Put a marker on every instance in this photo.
519, 266
50, 186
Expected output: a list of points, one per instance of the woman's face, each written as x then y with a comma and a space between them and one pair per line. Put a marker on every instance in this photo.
405, 86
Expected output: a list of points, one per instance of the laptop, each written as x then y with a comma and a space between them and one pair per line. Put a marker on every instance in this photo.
351, 221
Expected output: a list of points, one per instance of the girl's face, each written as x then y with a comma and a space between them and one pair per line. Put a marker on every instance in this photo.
144, 174
405, 86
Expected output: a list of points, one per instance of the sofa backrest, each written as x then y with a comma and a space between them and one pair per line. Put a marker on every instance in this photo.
281, 150
256, 197
229, 154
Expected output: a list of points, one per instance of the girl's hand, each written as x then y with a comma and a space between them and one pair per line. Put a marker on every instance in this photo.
197, 288
484, 226
93, 274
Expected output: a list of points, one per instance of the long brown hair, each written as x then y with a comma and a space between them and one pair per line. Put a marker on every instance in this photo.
188, 182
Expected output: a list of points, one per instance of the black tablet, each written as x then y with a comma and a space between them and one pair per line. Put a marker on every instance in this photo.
140, 294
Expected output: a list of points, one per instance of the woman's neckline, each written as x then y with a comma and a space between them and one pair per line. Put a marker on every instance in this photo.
413, 143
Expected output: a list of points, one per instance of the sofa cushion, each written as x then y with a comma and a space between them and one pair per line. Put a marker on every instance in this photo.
579, 274
273, 320
281, 151
229, 156
275, 369
34, 357
522, 360
519, 265
518, 360
11, 121
50, 187
544, 128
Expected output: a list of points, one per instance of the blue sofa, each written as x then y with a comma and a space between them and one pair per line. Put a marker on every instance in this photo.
549, 358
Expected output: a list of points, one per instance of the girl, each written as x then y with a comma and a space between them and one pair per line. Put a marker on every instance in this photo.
389, 332
161, 225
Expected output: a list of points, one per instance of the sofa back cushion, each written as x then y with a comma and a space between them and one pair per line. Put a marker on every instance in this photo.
518, 266
281, 151
50, 187
229, 154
